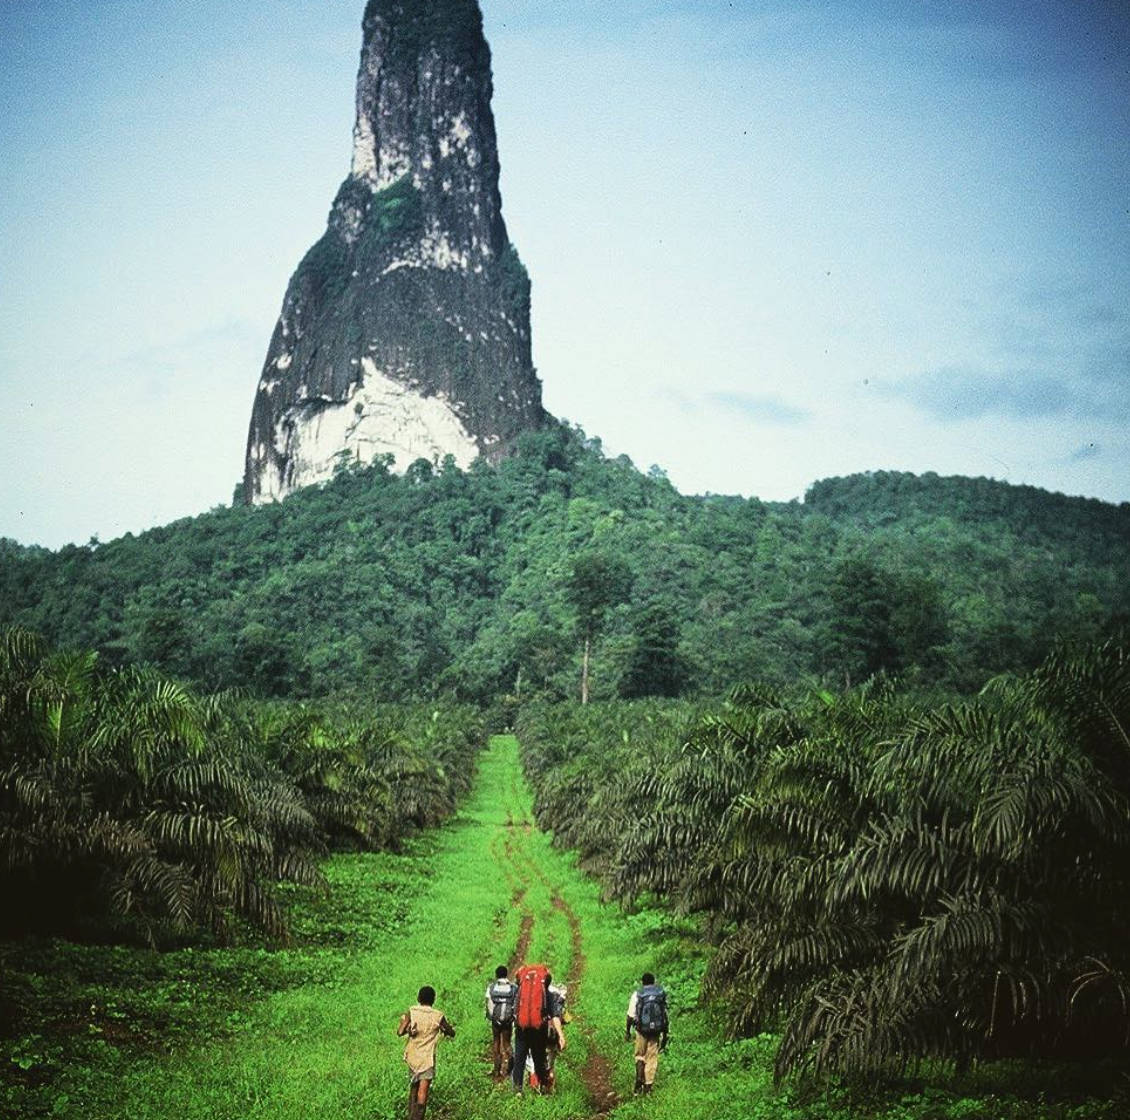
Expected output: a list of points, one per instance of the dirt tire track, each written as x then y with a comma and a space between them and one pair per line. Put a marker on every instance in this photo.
508, 861
502, 850
523, 946
596, 1074
519, 868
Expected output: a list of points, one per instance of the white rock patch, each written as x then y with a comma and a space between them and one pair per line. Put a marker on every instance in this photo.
433, 250
364, 150
460, 130
380, 416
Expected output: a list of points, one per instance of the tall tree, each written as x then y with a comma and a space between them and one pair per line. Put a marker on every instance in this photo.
598, 581
861, 635
655, 667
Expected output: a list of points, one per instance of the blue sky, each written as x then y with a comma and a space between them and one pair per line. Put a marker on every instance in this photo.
769, 242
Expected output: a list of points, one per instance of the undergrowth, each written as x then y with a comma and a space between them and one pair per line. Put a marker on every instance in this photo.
306, 1031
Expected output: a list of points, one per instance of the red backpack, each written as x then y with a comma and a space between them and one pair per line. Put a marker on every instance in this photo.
531, 979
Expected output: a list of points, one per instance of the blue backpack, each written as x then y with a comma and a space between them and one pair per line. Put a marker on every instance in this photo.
651, 1010
503, 996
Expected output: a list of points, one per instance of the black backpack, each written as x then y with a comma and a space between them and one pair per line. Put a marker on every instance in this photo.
651, 1010
556, 1003
503, 996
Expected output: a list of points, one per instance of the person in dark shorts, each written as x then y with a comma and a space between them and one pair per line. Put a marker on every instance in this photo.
501, 994
532, 1025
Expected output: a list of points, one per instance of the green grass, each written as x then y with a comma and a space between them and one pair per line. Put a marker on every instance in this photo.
324, 1046
309, 1032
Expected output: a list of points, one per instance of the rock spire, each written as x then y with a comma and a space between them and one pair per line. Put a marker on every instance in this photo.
405, 330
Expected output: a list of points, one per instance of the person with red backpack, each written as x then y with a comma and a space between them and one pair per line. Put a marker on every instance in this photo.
647, 1014
534, 1018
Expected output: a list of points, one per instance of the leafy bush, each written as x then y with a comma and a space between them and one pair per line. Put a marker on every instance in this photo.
396, 212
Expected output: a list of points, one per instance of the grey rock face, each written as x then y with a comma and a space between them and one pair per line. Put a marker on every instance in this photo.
405, 329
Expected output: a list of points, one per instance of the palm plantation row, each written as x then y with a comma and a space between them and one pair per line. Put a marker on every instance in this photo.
887, 884
129, 803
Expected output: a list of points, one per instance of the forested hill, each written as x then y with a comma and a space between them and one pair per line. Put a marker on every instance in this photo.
488, 582
881, 497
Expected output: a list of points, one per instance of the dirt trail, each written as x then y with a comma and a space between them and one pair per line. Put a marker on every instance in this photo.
523, 946
509, 860
520, 870
597, 1070
519, 878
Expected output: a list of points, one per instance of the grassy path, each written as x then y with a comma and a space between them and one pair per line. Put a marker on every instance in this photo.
491, 890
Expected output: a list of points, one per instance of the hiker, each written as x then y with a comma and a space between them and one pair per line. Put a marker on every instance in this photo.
501, 997
647, 1014
423, 1025
533, 1020
555, 1008
556, 995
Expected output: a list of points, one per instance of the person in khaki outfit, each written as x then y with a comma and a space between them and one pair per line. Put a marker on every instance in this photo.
647, 1015
423, 1025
